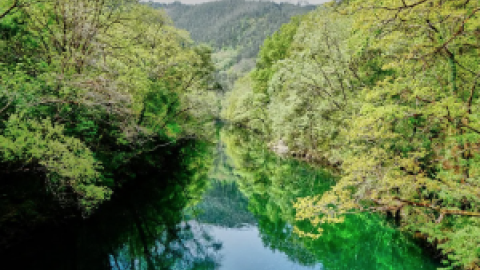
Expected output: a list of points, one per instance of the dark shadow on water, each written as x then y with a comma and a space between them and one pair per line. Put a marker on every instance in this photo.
230, 211
140, 228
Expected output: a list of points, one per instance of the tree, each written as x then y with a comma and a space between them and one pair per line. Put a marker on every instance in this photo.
413, 142
272, 184
385, 91
8, 7
114, 80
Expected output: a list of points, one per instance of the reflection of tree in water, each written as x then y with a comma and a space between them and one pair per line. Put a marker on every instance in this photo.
273, 184
158, 238
189, 248
222, 167
224, 205
142, 227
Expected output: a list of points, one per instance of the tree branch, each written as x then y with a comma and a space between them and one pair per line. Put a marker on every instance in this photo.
14, 5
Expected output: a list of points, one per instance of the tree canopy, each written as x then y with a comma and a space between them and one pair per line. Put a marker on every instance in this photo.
386, 91
234, 28
87, 87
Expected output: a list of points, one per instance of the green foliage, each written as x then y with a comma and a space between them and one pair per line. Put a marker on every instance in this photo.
274, 49
142, 226
239, 104
247, 102
82, 105
68, 162
236, 24
234, 28
273, 184
387, 92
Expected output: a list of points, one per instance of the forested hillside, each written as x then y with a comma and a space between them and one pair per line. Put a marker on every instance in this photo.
234, 28
386, 93
100, 97
93, 93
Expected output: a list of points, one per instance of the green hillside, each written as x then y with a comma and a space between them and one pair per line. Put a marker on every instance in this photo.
236, 29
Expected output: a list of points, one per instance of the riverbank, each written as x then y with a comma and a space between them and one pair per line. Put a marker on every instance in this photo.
28, 207
185, 218
275, 183
387, 94
394, 216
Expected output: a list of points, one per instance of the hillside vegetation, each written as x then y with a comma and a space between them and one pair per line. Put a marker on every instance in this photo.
385, 91
92, 92
234, 28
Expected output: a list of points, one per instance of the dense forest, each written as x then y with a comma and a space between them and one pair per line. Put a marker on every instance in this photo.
94, 94
234, 28
386, 93
109, 112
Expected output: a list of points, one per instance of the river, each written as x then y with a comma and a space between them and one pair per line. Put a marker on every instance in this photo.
237, 216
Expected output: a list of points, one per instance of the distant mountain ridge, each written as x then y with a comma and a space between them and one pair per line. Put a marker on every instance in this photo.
236, 27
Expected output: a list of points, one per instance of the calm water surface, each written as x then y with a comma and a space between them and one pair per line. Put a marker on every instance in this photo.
239, 216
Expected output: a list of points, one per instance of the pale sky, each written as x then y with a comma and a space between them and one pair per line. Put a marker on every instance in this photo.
202, 1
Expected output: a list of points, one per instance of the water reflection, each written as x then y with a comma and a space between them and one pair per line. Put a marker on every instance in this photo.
224, 205
243, 248
191, 247
272, 184
142, 227
240, 216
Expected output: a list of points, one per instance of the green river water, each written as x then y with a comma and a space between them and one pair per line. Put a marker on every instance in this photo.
238, 217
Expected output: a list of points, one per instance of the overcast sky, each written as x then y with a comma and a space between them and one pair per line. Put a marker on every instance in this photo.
202, 1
